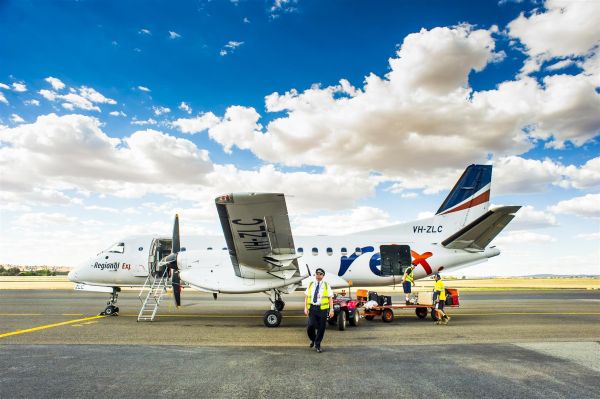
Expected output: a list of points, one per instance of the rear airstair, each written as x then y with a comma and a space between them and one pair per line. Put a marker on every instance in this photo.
151, 294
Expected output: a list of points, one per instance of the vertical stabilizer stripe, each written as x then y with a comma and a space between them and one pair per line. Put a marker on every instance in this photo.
480, 199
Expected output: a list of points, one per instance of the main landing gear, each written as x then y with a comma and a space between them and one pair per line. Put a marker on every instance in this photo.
272, 318
111, 309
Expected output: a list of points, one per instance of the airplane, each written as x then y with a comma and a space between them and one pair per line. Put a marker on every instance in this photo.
258, 252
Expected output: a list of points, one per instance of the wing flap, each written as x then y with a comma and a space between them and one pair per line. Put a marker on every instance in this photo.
479, 233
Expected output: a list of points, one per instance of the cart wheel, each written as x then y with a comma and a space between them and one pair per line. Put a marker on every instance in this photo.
433, 315
369, 317
387, 315
355, 318
341, 320
272, 318
421, 313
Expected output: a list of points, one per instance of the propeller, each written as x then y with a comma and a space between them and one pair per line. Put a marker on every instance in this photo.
171, 262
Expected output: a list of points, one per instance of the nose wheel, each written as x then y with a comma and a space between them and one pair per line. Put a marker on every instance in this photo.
111, 309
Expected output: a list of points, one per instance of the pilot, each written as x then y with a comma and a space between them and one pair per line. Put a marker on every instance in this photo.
408, 280
319, 302
439, 298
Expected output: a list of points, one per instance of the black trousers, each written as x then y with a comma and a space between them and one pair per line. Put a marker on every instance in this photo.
317, 321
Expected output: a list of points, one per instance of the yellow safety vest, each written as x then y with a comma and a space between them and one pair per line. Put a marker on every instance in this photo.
439, 287
324, 296
409, 276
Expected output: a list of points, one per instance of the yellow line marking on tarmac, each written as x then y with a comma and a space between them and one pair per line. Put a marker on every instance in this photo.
10, 334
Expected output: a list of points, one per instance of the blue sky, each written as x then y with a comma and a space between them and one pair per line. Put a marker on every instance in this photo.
114, 115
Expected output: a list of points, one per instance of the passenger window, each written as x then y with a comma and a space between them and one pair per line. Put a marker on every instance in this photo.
358, 251
344, 251
209, 248
329, 251
315, 251
301, 251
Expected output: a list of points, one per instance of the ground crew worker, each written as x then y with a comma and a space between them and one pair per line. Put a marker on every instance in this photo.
408, 280
439, 299
319, 302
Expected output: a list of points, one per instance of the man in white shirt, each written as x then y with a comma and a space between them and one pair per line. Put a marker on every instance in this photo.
318, 303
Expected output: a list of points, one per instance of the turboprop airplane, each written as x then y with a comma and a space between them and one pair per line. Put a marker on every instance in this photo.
259, 254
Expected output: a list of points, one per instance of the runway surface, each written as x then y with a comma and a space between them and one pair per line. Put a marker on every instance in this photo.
498, 344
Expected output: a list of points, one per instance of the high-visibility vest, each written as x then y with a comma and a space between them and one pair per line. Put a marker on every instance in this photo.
324, 295
439, 287
409, 275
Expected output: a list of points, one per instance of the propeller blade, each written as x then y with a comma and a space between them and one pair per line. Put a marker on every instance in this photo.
176, 245
175, 282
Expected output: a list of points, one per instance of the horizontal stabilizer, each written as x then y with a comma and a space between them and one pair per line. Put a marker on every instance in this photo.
479, 233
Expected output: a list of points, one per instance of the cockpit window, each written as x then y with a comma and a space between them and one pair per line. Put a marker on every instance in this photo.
118, 248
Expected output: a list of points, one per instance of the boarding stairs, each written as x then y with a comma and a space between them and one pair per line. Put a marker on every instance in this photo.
151, 294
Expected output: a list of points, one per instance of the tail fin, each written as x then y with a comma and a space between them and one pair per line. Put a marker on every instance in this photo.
473, 188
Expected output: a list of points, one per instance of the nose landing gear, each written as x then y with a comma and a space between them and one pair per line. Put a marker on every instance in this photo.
111, 309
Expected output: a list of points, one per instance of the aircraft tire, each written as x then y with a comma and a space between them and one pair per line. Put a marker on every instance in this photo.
387, 315
110, 310
421, 313
272, 318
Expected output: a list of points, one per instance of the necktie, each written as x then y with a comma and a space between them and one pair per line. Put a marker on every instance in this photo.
316, 293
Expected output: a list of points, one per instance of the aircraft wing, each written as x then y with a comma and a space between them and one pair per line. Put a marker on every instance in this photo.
479, 233
258, 233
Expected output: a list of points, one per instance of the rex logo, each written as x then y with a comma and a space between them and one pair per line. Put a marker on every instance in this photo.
375, 261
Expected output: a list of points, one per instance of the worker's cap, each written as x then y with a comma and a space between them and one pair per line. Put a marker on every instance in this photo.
319, 270
437, 276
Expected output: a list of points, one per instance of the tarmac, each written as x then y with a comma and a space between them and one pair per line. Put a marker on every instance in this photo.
499, 344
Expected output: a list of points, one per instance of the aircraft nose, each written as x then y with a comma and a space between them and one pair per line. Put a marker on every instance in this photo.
73, 275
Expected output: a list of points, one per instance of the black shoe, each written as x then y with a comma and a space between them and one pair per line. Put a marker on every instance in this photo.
319, 349
408, 302
312, 343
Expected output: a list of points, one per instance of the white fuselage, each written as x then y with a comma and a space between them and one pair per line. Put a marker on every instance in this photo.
208, 267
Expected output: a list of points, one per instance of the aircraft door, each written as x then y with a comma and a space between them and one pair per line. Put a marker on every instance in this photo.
394, 259
160, 248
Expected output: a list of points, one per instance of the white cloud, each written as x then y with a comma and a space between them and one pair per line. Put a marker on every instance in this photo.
523, 237
144, 31
4, 86
174, 35
33, 102
560, 65
589, 236
341, 223
229, 47
161, 110
238, 127
56, 83
529, 218
19, 87
196, 124
564, 29
246, 20
185, 107
14, 118
117, 113
3, 98
587, 206
72, 152
143, 88
149, 121
82, 98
